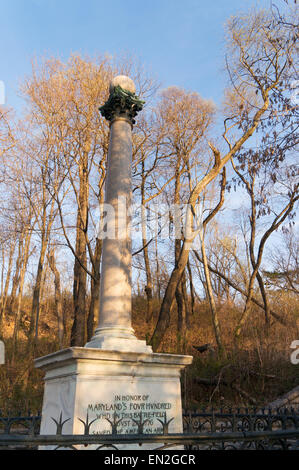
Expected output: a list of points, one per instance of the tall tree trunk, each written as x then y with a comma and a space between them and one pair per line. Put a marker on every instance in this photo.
7, 282
58, 303
186, 300
23, 264
265, 299
79, 327
209, 289
45, 225
252, 255
158, 281
181, 323
149, 283
169, 296
16, 277
182, 306
94, 308
192, 293
78, 333
35, 308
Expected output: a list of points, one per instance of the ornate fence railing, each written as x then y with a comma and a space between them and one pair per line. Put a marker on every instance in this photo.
20, 425
212, 429
240, 420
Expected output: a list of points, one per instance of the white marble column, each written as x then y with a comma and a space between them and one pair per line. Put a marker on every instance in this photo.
115, 331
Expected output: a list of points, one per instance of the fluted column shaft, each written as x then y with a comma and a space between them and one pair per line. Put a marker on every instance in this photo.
116, 287
115, 324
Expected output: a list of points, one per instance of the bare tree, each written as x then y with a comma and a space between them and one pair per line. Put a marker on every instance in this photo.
7, 134
182, 120
285, 261
58, 300
64, 100
259, 60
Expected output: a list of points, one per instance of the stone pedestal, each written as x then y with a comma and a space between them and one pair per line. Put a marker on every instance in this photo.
98, 383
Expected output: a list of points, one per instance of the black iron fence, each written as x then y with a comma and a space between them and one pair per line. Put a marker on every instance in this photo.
206, 429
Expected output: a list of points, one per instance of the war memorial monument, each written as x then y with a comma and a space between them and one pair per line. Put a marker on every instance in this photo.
115, 377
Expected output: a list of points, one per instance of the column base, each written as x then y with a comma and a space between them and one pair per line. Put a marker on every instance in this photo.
118, 339
81, 382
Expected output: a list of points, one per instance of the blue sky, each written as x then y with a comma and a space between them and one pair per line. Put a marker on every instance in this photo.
179, 41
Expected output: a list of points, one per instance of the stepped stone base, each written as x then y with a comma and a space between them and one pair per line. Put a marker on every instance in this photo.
99, 383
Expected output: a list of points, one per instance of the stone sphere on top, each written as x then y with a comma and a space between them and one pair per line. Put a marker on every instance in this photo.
124, 82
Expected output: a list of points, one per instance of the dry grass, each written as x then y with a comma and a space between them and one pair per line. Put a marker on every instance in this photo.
253, 372
259, 365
